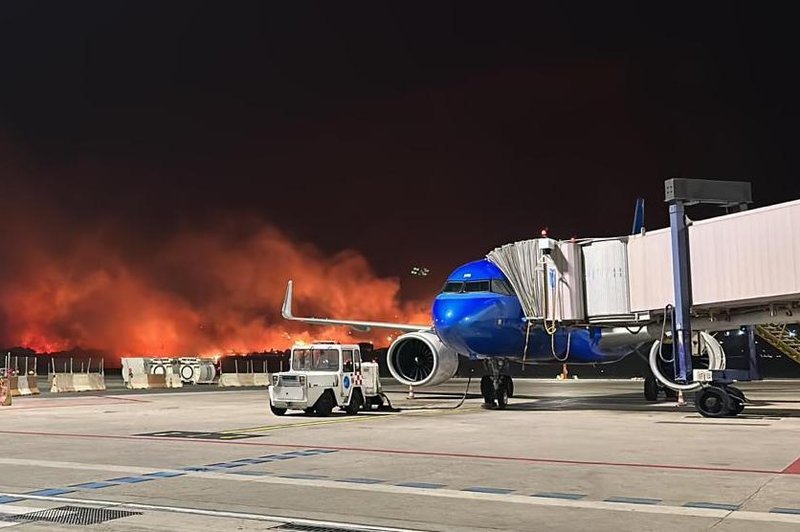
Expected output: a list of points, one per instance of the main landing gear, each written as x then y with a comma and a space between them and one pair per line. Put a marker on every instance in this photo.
496, 387
720, 401
652, 388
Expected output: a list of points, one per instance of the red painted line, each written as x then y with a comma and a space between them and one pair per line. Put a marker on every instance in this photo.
45, 406
793, 468
126, 398
437, 454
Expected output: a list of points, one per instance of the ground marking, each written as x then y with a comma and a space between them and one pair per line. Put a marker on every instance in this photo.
221, 513
710, 513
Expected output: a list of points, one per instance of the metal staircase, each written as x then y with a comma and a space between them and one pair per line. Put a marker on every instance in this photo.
784, 340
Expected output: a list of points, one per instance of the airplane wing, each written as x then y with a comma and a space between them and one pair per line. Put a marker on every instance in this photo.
286, 312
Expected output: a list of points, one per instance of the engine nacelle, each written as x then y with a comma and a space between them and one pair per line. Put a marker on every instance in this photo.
421, 359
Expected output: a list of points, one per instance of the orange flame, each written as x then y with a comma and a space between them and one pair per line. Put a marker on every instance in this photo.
193, 293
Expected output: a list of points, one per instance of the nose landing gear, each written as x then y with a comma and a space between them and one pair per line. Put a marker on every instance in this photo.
497, 387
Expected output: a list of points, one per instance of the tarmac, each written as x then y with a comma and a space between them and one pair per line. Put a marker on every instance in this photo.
565, 455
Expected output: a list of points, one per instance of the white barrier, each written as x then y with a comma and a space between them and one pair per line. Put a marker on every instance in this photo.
237, 380
23, 385
77, 382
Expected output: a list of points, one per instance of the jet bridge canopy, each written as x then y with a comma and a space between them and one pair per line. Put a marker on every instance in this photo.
739, 261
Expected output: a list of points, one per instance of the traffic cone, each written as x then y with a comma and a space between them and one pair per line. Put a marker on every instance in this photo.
410, 392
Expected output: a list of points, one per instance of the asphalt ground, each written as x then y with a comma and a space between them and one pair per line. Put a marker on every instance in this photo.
565, 455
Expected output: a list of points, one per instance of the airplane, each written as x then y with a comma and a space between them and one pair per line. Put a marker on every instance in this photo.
477, 315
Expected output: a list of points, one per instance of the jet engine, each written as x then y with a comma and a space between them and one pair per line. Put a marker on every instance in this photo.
421, 359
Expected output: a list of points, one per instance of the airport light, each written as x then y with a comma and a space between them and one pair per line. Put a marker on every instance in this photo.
419, 271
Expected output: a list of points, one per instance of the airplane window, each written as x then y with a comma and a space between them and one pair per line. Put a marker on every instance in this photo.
453, 287
477, 286
501, 286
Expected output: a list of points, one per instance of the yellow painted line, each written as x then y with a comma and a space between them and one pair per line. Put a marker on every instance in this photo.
301, 424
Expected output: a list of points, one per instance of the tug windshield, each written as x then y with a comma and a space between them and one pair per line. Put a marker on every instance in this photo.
315, 360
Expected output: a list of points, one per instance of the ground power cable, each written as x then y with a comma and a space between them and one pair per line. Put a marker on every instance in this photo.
460, 403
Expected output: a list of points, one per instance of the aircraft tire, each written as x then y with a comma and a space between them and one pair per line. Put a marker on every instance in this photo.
509, 385
650, 388
502, 397
487, 390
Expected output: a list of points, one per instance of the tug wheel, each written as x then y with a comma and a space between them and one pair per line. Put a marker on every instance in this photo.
324, 405
355, 403
276, 410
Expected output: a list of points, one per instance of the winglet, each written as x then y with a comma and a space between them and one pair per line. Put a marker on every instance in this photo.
286, 309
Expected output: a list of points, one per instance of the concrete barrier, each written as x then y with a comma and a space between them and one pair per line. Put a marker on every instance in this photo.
23, 385
5, 392
149, 381
235, 380
77, 382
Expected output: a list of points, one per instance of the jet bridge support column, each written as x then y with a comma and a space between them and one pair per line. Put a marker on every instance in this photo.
718, 399
682, 284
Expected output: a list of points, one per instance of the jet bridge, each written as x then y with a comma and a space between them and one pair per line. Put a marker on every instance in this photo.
740, 269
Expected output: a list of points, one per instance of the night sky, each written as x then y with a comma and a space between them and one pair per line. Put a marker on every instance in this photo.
416, 133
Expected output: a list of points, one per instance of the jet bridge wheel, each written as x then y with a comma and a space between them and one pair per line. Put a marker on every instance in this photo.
715, 401
737, 400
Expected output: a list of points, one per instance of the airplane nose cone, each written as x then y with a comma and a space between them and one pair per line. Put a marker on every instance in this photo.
478, 325
456, 320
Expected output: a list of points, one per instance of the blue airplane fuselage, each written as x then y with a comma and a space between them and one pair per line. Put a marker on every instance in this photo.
480, 318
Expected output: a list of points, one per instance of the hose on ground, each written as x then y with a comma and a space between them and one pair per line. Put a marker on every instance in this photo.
461, 402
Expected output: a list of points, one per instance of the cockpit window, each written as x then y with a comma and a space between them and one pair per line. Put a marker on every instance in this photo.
476, 286
453, 287
501, 286
498, 286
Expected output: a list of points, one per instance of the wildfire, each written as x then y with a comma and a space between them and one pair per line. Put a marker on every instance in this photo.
191, 293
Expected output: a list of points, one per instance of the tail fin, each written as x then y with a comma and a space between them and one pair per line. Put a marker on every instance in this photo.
638, 217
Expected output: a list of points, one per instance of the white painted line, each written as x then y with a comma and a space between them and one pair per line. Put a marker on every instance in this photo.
220, 513
13, 509
4, 524
78, 465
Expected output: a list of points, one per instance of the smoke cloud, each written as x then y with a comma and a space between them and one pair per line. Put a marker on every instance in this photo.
71, 283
